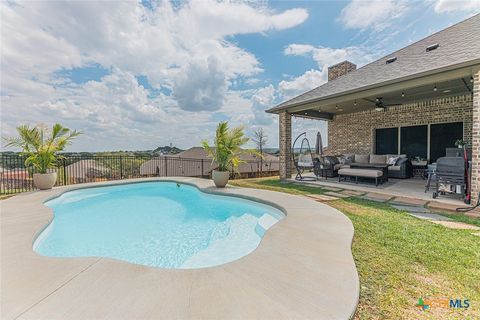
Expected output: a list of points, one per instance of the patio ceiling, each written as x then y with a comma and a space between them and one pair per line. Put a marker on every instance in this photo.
452, 83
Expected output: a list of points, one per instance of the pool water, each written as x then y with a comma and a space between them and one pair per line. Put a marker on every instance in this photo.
158, 224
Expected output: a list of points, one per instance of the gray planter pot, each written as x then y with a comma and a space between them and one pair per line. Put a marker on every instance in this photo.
45, 181
220, 178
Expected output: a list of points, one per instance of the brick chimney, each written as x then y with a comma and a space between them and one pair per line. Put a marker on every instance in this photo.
340, 69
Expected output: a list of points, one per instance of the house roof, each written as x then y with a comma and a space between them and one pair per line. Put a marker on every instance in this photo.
459, 46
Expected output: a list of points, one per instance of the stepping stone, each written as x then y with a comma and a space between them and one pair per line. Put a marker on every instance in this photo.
434, 205
476, 234
331, 188
416, 209
321, 197
408, 201
429, 216
457, 225
352, 192
376, 197
338, 195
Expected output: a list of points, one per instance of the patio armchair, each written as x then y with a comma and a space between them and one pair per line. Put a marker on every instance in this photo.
401, 170
326, 163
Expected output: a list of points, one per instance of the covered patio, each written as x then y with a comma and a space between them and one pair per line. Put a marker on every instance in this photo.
418, 102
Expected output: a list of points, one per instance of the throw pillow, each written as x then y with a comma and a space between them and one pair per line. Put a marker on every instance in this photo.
393, 160
348, 158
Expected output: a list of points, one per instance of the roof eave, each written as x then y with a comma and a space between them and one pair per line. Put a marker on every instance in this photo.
279, 108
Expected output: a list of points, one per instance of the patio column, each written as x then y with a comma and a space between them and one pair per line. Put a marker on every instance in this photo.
285, 140
476, 138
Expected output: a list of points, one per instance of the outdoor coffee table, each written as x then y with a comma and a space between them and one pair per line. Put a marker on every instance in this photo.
377, 166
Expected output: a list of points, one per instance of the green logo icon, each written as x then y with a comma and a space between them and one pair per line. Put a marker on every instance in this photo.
421, 304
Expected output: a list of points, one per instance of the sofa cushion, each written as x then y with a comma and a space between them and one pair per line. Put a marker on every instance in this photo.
339, 166
377, 158
362, 158
368, 173
394, 168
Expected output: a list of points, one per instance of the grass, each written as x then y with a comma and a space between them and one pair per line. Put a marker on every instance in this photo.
400, 259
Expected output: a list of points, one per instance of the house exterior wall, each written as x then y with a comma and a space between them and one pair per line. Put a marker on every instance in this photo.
355, 132
476, 138
285, 141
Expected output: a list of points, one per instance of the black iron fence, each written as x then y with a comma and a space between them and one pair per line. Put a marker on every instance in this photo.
16, 177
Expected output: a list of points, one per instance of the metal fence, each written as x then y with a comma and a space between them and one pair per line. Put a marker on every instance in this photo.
15, 177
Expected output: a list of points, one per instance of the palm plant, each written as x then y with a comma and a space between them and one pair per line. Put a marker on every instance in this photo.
41, 145
227, 146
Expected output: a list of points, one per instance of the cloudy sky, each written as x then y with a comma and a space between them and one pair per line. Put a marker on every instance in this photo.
137, 75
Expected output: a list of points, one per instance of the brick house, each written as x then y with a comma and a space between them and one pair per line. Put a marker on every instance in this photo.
417, 100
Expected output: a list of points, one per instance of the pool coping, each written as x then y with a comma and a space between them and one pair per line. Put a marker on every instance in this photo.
303, 268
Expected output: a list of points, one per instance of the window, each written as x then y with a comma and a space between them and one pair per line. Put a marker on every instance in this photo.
414, 141
444, 135
386, 141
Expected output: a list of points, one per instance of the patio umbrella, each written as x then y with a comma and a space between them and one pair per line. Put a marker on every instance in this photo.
318, 144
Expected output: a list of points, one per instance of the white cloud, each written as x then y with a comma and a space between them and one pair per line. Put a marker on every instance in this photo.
184, 48
307, 81
324, 57
457, 5
377, 14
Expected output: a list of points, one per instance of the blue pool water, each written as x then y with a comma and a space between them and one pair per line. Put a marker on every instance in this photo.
160, 224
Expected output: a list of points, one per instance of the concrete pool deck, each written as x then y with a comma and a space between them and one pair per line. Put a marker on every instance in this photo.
302, 269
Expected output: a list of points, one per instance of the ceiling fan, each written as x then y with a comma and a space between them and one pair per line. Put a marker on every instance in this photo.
380, 105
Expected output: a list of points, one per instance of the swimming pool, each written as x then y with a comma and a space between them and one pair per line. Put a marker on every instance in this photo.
158, 224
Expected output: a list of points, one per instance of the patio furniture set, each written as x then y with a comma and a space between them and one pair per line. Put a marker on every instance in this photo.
367, 166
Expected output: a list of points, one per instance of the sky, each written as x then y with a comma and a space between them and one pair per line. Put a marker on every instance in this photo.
138, 75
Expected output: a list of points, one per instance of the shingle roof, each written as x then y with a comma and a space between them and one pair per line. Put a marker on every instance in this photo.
458, 44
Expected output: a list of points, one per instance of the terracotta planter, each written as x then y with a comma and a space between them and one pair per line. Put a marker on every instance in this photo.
220, 178
45, 181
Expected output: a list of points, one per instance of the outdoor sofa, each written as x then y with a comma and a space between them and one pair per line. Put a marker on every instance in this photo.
400, 168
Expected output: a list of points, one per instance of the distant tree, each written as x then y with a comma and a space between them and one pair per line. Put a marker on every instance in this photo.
260, 140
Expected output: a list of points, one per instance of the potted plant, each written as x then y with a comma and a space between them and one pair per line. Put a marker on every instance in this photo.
226, 151
41, 147
460, 143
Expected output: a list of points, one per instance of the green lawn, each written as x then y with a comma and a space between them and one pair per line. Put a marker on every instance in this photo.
400, 258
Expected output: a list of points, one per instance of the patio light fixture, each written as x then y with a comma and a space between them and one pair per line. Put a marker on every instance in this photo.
435, 88
355, 103
403, 94
471, 78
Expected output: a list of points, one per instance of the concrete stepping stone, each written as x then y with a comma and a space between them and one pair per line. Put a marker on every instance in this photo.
331, 188
434, 205
415, 209
352, 192
338, 195
429, 216
376, 197
408, 201
476, 234
457, 225
321, 197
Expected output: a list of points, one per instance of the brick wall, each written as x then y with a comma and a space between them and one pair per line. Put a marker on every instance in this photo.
285, 140
355, 132
476, 138
340, 69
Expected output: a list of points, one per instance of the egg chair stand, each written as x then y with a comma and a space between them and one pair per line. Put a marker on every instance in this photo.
304, 160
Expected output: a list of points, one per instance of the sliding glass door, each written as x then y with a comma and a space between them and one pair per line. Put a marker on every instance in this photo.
442, 136
424, 141
386, 141
413, 141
